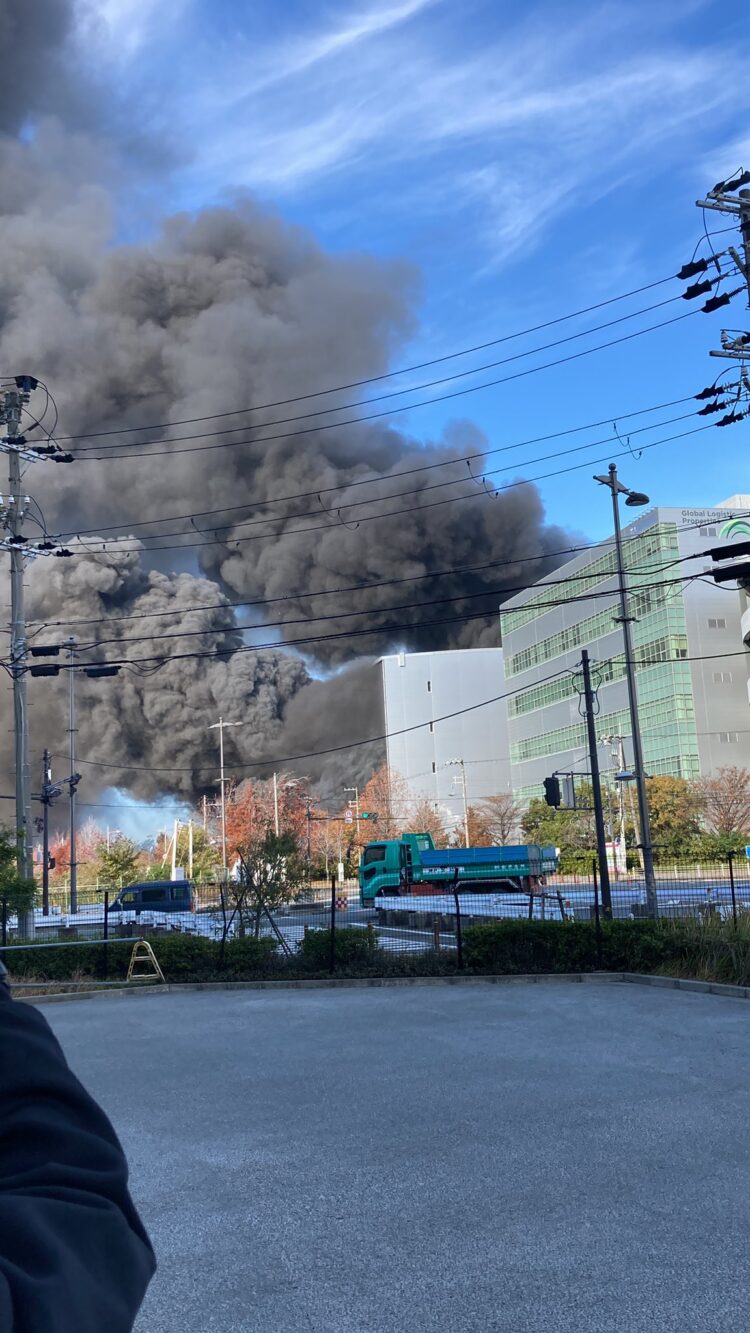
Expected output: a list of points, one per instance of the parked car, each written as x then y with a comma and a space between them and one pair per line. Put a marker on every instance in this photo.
160, 895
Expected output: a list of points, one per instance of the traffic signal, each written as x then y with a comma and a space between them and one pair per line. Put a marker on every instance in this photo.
552, 792
369, 814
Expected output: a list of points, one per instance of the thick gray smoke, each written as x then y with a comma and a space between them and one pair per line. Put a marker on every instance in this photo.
221, 311
148, 728
32, 39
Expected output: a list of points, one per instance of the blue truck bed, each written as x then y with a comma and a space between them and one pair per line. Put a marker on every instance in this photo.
524, 860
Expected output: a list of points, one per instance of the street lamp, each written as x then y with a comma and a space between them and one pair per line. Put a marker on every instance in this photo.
459, 763
635, 500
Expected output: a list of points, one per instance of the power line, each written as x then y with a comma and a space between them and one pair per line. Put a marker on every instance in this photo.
411, 509
389, 412
394, 393
417, 490
403, 606
389, 629
375, 379
358, 587
382, 476
268, 761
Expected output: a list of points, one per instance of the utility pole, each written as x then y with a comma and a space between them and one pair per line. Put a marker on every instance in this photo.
635, 499
731, 198
45, 798
219, 726
72, 785
190, 848
13, 402
460, 763
601, 837
175, 831
276, 804
617, 754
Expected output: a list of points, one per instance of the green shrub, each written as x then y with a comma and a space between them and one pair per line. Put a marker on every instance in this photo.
64, 962
186, 957
551, 946
247, 958
355, 946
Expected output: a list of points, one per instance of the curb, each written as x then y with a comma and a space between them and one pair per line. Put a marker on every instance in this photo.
364, 983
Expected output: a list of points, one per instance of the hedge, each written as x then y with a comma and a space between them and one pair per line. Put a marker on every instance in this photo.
548, 946
712, 951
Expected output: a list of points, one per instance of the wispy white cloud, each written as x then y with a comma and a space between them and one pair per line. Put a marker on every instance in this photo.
505, 124
120, 28
296, 56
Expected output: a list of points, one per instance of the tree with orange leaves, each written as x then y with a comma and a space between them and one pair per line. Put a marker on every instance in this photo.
385, 794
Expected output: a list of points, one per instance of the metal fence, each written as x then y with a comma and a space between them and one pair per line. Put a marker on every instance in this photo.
403, 925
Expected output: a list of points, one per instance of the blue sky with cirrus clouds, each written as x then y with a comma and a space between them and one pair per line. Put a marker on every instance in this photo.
528, 161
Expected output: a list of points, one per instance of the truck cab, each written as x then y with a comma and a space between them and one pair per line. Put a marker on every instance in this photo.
387, 867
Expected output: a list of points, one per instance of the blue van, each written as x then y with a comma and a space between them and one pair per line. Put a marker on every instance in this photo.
156, 895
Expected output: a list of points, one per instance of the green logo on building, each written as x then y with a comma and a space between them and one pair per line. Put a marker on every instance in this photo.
735, 528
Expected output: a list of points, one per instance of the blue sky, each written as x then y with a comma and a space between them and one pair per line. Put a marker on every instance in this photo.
526, 162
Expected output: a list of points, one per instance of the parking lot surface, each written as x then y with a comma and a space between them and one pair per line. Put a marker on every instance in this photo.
467, 1159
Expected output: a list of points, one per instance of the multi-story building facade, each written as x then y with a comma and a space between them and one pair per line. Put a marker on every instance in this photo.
691, 671
425, 688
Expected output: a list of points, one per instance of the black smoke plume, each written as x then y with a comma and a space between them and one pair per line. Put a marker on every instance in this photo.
224, 310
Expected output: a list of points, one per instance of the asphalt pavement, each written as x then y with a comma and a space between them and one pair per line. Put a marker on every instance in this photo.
470, 1159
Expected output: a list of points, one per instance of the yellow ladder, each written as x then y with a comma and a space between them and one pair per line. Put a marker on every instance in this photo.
144, 954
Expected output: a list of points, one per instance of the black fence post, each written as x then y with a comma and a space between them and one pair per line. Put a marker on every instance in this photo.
597, 916
105, 947
732, 888
459, 937
333, 925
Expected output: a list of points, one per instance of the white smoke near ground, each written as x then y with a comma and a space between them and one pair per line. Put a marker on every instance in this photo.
223, 310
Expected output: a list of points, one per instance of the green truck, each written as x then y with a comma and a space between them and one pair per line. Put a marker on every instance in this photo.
411, 864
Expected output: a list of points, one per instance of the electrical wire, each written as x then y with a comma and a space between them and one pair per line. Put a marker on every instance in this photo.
360, 587
388, 412
467, 459
368, 631
410, 509
417, 490
396, 393
279, 761
375, 379
402, 606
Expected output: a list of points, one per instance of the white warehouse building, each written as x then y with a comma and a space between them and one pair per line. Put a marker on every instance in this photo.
436, 710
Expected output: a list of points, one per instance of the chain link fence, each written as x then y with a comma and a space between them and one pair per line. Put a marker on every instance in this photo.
329, 926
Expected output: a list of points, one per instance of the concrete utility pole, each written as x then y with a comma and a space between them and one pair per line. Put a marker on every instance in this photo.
13, 401
617, 753
729, 197
72, 784
601, 837
635, 499
460, 763
276, 804
219, 726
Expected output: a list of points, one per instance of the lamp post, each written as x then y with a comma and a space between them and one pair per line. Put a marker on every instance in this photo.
219, 726
459, 763
635, 500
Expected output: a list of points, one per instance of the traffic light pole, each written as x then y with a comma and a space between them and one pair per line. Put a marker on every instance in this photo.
601, 837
